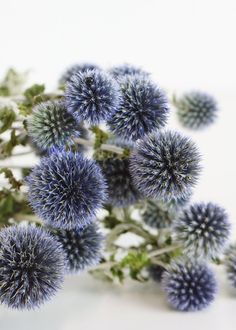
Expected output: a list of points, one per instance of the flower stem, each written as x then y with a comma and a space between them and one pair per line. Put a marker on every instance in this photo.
166, 249
104, 146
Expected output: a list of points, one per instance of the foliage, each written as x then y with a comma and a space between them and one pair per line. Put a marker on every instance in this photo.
135, 190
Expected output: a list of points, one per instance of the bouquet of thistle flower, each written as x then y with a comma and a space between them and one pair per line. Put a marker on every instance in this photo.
106, 167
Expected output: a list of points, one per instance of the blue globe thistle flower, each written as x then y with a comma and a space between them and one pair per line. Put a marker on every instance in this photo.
155, 272
50, 125
31, 266
196, 110
121, 191
165, 165
66, 190
203, 229
189, 285
74, 69
144, 107
157, 214
82, 247
230, 264
92, 95
126, 69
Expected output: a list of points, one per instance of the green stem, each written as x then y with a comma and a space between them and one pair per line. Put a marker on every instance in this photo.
104, 146
164, 250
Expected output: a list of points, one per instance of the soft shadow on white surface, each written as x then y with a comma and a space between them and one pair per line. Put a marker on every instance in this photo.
86, 303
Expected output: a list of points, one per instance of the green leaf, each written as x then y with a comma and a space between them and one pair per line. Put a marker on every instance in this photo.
7, 147
4, 91
13, 83
100, 136
32, 95
15, 184
7, 117
33, 91
11, 203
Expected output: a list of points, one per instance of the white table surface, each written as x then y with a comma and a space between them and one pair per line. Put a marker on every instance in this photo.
87, 304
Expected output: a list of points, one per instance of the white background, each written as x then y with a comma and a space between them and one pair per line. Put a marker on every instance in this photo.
187, 45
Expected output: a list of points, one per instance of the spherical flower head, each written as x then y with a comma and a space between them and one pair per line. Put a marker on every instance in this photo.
203, 229
31, 266
230, 264
196, 110
74, 69
82, 247
165, 165
143, 107
155, 272
189, 285
66, 190
126, 69
92, 95
157, 214
121, 191
50, 125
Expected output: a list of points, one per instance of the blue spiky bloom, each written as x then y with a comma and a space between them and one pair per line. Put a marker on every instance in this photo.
143, 107
50, 125
196, 110
157, 214
31, 266
230, 264
165, 165
66, 190
203, 229
189, 285
82, 247
92, 95
155, 272
126, 69
121, 191
74, 69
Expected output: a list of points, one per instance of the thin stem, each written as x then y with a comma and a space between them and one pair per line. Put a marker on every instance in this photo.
27, 217
159, 263
164, 250
16, 166
104, 265
23, 153
104, 146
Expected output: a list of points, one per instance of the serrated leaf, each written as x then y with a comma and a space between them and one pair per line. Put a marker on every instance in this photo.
100, 136
33, 91
15, 184
7, 117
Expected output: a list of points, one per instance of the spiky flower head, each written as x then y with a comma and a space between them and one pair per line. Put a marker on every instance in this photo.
143, 107
230, 264
157, 214
92, 95
155, 272
196, 110
31, 266
74, 69
50, 125
115, 167
203, 229
165, 165
126, 69
82, 247
121, 191
66, 190
189, 285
